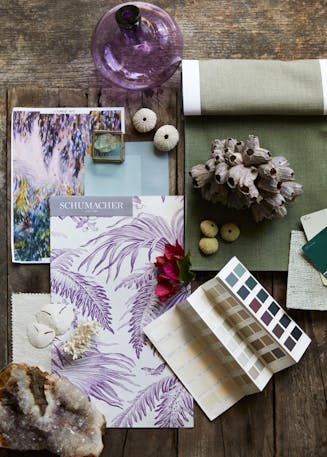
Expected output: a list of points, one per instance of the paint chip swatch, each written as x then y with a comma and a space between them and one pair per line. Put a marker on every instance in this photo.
227, 339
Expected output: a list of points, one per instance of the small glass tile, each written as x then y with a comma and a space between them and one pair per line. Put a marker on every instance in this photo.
266, 318
231, 279
285, 320
296, 333
290, 343
262, 295
274, 308
255, 305
243, 292
251, 282
278, 331
239, 270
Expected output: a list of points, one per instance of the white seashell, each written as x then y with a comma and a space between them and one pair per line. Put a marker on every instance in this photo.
247, 178
256, 156
285, 174
239, 146
269, 185
252, 142
221, 172
230, 143
144, 120
210, 164
218, 155
166, 138
290, 190
242, 175
40, 335
217, 144
267, 170
234, 158
234, 175
274, 200
56, 316
280, 161
200, 175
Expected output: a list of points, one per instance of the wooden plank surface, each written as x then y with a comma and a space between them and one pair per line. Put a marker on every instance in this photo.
47, 43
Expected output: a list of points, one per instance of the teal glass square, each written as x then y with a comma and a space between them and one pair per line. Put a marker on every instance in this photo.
251, 282
239, 270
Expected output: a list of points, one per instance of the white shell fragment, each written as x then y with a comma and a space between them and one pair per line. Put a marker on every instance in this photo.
144, 120
243, 174
40, 335
166, 138
57, 316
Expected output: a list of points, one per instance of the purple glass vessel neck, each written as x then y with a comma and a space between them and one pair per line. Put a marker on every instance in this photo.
128, 16
137, 46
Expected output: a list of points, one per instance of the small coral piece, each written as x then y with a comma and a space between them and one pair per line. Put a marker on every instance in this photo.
40, 411
230, 232
209, 228
80, 341
144, 120
208, 246
243, 174
166, 138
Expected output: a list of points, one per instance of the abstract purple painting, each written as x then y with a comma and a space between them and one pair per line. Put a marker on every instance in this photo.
48, 147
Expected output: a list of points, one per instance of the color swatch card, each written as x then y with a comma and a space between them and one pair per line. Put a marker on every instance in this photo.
316, 251
227, 339
48, 147
312, 224
102, 262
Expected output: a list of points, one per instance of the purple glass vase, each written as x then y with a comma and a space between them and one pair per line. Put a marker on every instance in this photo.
137, 45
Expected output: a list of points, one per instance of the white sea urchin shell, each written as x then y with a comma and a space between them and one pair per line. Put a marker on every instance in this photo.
166, 138
144, 120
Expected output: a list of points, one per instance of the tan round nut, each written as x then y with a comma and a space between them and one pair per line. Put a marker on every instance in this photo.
209, 228
230, 232
208, 246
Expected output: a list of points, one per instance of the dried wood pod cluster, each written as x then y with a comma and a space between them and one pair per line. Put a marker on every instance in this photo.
242, 174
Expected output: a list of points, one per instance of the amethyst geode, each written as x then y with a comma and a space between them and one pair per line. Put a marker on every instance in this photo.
39, 410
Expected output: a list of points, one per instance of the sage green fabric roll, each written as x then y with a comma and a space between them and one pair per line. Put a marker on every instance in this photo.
262, 246
251, 87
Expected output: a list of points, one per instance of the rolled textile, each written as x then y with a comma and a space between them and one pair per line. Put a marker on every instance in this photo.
253, 87
283, 104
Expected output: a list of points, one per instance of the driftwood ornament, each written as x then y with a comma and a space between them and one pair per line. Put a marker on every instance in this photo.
243, 174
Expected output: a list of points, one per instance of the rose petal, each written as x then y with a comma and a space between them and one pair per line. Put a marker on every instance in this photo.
170, 269
174, 252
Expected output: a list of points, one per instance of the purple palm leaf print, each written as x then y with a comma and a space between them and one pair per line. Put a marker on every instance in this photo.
145, 231
88, 296
96, 374
175, 408
155, 371
151, 399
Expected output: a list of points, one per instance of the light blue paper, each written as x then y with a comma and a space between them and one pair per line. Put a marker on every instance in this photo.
144, 172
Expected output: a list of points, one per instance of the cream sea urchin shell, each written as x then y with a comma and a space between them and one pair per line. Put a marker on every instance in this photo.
144, 120
166, 138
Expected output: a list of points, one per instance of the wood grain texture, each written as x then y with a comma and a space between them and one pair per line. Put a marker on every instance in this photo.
3, 231
45, 45
48, 43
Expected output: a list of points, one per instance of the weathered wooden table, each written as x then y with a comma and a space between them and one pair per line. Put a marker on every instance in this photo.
44, 51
